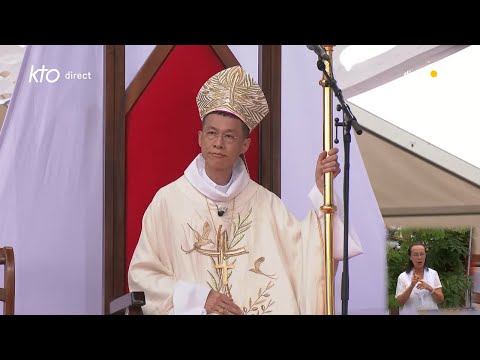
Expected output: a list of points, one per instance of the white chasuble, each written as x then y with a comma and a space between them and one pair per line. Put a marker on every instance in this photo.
257, 252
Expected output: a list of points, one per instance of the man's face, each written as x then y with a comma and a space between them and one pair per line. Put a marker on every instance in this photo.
222, 141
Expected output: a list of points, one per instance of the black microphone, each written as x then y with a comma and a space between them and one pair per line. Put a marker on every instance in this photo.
221, 211
320, 51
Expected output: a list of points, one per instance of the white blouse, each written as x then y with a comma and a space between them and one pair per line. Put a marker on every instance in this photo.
420, 299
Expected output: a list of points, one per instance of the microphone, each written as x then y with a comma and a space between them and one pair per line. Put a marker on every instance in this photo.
222, 210
320, 51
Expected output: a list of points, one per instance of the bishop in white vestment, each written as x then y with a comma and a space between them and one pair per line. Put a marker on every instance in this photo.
215, 234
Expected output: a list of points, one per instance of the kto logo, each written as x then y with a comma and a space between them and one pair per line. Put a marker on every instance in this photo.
50, 75
43, 74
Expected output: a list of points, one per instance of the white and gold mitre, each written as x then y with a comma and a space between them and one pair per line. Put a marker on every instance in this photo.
233, 90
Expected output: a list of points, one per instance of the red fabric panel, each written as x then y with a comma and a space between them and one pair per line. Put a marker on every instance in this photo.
162, 126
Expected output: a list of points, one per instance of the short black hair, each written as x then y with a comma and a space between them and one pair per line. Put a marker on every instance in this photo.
245, 129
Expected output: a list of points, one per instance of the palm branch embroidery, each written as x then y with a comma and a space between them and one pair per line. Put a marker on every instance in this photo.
258, 306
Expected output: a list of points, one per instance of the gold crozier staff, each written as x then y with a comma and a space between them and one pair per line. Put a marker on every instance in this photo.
328, 207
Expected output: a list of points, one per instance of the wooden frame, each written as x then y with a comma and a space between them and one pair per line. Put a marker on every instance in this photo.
270, 75
114, 207
7, 293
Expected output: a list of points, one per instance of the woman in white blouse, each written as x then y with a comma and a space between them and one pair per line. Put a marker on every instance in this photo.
419, 287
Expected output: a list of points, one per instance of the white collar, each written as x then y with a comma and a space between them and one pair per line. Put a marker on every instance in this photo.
194, 174
222, 188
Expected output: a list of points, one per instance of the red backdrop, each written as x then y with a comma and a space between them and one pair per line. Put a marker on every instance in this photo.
162, 127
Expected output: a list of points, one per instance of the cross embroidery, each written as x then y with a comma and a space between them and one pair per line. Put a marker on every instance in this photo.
222, 254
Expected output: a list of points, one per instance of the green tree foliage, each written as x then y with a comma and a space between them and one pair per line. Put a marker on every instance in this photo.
447, 253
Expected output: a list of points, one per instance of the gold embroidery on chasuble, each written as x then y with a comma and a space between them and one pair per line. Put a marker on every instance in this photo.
222, 264
226, 248
259, 306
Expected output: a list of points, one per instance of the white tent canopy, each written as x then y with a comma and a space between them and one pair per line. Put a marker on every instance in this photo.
419, 145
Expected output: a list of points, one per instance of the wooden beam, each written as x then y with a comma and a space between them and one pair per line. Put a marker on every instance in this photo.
225, 55
114, 221
270, 75
145, 74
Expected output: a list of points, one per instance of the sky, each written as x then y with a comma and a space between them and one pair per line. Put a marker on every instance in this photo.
437, 103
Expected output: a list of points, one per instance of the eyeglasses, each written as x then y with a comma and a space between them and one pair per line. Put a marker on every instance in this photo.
227, 138
419, 255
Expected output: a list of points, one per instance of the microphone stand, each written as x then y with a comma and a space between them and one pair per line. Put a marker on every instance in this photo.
349, 120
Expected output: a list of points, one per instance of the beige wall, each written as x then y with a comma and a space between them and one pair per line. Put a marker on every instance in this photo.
413, 192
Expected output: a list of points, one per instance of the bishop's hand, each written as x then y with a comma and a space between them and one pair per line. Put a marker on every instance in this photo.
218, 303
326, 164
